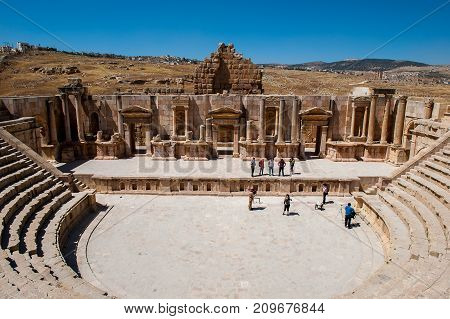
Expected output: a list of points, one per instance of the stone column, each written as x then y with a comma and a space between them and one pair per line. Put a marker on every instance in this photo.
186, 122
148, 139
400, 121
127, 134
120, 116
280, 138
53, 133
65, 108
242, 128
302, 139
78, 109
236, 141
209, 130
202, 133
428, 109
385, 125
412, 149
249, 131
276, 121
330, 130
294, 129
372, 113
364, 127
174, 122
323, 141
352, 125
262, 121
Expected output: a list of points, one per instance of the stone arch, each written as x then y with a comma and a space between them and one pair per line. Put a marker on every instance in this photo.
407, 135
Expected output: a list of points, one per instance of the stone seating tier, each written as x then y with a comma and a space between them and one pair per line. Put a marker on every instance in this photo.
412, 217
36, 207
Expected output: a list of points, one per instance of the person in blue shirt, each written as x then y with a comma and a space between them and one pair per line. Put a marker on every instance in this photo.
349, 214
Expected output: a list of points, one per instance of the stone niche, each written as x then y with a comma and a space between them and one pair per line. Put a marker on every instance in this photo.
227, 72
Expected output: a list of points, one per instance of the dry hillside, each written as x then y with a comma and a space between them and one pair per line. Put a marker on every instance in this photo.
41, 73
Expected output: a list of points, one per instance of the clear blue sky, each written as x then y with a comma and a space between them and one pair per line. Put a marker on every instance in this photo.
266, 31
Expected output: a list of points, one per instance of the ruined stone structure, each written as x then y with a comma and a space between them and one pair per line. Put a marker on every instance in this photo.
228, 116
227, 72
370, 124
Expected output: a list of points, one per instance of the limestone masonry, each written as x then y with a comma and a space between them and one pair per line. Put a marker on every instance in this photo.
229, 118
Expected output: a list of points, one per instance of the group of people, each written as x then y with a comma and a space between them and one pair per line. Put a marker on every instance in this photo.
349, 210
271, 165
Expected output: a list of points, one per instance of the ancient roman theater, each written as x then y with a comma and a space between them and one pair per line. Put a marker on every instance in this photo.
146, 195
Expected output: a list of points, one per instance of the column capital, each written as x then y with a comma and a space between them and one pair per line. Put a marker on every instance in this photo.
403, 98
429, 102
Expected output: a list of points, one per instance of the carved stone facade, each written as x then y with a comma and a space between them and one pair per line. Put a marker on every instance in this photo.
227, 71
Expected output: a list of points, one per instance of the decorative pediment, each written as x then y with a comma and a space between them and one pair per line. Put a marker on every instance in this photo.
361, 99
316, 111
136, 112
225, 112
135, 109
316, 115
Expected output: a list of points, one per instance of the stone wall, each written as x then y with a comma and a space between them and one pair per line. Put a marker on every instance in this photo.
215, 186
227, 71
199, 107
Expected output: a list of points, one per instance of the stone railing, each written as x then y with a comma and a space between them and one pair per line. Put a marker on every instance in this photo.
36, 158
371, 217
24, 129
421, 156
218, 186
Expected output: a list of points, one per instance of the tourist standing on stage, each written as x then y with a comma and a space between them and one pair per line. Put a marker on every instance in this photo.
261, 167
253, 165
281, 165
291, 164
270, 164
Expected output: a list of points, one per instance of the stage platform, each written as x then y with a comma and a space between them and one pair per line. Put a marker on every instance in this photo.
142, 166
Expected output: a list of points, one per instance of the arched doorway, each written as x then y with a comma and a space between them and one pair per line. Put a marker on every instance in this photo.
137, 122
314, 130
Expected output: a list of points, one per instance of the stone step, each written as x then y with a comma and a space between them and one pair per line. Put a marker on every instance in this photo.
22, 185
25, 286
27, 270
436, 167
419, 241
20, 201
21, 219
378, 282
34, 228
398, 250
441, 160
6, 149
432, 176
434, 230
433, 204
53, 259
12, 157
13, 190
17, 176
446, 152
441, 285
438, 192
13, 167
422, 273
